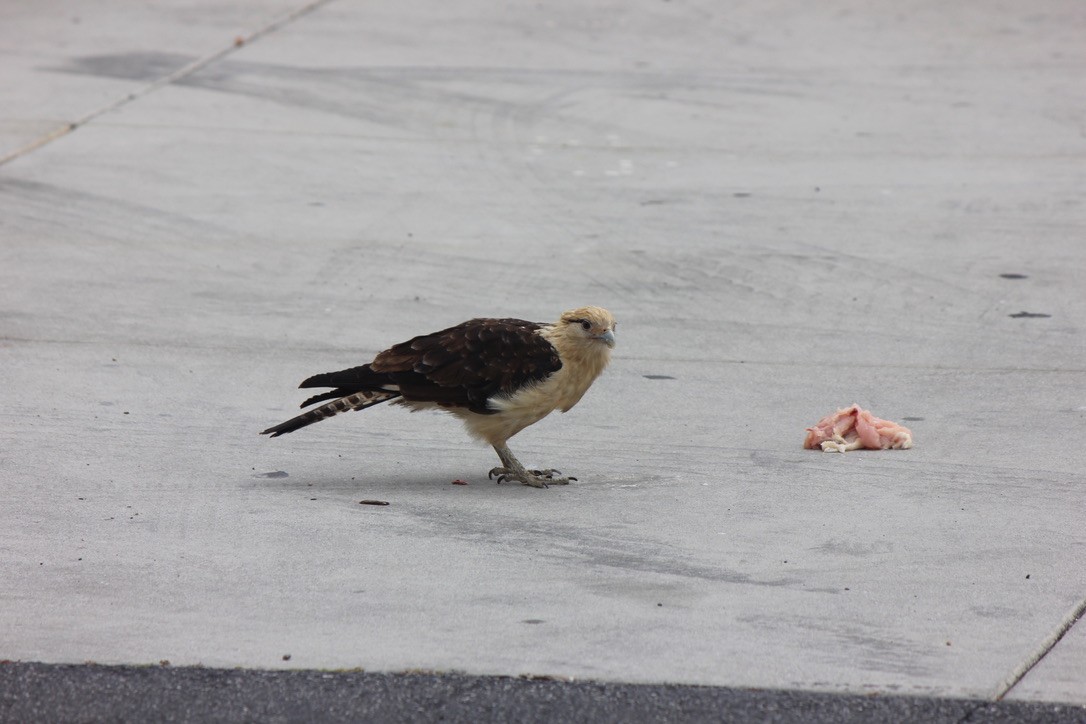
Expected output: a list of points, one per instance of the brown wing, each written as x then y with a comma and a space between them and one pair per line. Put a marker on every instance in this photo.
462, 366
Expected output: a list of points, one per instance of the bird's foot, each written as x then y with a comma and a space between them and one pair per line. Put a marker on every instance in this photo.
512, 469
535, 478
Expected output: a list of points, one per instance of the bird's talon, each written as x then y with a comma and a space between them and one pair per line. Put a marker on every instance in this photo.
534, 478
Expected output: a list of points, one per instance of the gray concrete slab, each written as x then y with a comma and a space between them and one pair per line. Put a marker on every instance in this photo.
788, 208
1059, 675
65, 62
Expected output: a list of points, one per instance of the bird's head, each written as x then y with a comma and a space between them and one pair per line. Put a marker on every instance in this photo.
587, 328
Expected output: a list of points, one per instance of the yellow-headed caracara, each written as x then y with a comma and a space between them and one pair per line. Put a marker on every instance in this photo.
497, 375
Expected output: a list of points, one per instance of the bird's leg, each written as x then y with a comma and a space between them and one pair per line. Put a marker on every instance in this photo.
512, 470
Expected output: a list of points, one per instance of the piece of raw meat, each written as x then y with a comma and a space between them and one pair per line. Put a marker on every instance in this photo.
853, 428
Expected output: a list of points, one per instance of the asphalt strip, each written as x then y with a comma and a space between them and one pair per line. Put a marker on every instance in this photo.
90, 693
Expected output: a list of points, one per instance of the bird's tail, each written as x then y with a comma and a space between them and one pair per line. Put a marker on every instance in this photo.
356, 401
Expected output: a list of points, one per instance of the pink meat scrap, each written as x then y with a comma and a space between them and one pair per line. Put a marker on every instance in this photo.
853, 428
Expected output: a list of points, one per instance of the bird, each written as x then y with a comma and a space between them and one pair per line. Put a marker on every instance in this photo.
497, 375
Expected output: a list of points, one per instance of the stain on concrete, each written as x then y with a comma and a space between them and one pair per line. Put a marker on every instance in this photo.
139, 66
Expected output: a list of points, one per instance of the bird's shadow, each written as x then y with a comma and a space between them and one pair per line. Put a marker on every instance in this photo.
388, 483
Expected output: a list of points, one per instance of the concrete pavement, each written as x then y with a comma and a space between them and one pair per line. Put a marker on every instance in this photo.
789, 208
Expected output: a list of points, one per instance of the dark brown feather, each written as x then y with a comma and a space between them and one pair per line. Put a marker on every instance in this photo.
461, 366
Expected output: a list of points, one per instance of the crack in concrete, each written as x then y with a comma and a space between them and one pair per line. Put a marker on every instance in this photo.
1043, 650
165, 80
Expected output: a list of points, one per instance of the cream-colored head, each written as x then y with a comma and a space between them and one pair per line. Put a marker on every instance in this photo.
585, 330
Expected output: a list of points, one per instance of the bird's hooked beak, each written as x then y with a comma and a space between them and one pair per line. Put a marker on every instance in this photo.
608, 338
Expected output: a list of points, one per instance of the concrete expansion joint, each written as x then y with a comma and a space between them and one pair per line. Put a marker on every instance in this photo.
165, 80
1049, 643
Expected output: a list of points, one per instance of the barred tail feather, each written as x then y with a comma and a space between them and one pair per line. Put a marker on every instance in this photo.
357, 401
332, 394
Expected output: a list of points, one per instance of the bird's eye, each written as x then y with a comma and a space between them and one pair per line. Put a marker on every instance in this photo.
586, 325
